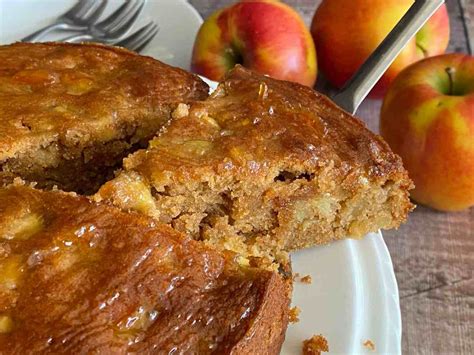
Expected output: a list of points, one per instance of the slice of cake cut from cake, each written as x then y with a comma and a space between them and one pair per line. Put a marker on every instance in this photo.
70, 113
264, 165
84, 278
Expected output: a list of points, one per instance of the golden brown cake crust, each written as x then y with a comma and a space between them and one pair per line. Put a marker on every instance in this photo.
263, 121
69, 92
87, 278
89, 102
269, 161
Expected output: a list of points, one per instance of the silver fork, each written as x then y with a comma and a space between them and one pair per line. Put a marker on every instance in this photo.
113, 28
139, 39
77, 18
136, 41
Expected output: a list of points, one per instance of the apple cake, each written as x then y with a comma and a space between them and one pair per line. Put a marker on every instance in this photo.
81, 277
70, 113
264, 165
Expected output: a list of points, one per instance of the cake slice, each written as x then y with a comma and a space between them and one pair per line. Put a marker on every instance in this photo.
264, 165
84, 278
69, 113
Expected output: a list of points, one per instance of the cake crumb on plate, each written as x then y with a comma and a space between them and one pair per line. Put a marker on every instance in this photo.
293, 316
315, 345
306, 279
369, 344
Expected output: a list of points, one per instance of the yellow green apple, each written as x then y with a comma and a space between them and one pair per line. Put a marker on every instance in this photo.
427, 117
346, 32
267, 36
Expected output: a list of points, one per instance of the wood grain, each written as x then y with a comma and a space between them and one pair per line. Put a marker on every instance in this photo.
433, 254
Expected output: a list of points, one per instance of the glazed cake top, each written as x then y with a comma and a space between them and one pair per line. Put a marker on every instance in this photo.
78, 94
83, 277
253, 125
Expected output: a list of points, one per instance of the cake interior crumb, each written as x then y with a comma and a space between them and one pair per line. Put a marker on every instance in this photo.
315, 345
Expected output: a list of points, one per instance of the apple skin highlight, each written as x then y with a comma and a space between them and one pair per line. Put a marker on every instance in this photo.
427, 117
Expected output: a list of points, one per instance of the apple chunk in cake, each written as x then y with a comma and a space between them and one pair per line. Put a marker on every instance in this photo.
266, 163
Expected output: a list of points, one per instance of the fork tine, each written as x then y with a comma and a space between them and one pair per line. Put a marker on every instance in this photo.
81, 8
128, 21
143, 41
109, 20
135, 35
146, 40
93, 15
136, 38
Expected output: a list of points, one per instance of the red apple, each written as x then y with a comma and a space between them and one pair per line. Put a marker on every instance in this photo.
346, 32
427, 118
266, 36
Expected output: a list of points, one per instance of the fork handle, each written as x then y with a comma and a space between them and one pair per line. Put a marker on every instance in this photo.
359, 86
35, 36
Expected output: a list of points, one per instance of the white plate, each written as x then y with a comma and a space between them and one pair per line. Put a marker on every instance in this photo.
354, 294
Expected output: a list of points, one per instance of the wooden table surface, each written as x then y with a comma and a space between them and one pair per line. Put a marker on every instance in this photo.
433, 253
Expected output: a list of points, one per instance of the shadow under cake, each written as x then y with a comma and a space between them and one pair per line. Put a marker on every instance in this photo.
70, 113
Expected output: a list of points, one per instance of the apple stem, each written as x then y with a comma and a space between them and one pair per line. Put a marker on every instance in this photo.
450, 71
423, 50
